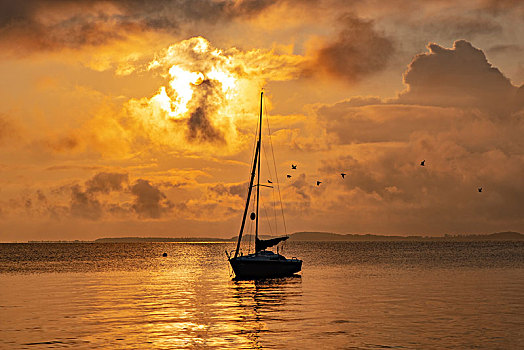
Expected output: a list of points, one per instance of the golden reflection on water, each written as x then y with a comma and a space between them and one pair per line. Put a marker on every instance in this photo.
258, 298
139, 300
190, 306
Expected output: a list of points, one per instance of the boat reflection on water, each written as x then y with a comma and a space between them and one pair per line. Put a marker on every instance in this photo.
265, 306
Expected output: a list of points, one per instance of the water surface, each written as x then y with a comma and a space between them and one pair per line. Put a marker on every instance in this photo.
350, 295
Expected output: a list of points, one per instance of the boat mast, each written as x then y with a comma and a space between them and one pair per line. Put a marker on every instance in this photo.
256, 161
258, 171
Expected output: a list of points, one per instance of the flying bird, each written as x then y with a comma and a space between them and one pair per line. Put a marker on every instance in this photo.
269, 181
319, 182
293, 166
343, 174
480, 189
288, 176
422, 163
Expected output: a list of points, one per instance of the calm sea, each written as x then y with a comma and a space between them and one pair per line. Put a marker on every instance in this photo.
350, 295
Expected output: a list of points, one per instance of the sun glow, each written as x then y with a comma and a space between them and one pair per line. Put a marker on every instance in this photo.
198, 74
209, 93
182, 82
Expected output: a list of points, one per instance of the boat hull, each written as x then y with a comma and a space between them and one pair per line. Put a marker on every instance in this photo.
254, 268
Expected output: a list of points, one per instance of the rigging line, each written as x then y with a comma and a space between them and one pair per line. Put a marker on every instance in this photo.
249, 239
267, 162
267, 219
254, 146
274, 204
273, 192
276, 176
256, 159
253, 155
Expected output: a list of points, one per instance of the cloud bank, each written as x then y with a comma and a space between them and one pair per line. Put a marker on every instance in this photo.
358, 51
459, 114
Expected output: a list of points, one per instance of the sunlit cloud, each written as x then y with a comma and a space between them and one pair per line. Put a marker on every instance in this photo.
133, 116
209, 93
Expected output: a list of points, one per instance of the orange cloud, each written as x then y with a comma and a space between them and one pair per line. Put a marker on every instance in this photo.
208, 95
460, 76
358, 51
459, 114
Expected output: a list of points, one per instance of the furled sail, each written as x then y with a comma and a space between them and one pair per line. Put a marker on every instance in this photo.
261, 244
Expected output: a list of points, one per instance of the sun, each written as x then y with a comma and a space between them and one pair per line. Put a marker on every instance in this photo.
210, 95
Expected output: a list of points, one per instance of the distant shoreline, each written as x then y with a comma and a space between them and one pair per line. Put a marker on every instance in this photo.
309, 236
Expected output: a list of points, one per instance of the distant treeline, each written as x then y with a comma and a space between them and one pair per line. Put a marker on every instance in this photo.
159, 239
328, 236
313, 236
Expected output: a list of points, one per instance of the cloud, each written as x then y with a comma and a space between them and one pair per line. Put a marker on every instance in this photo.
62, 143
7, 129
461, 115
234, 190
106, 196
48, 25
199, 124
149, 201
358, 51
459, 25
106, 182
346, 123
460, 76
84, 204
497, 6
36, 25
206, 95
512, 49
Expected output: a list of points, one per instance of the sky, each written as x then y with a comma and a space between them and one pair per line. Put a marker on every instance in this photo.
138, 118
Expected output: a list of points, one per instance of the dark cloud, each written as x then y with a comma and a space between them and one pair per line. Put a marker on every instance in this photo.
7, 129
35, 25
445, 117
301, 187
445, 187
73, 167
84, 201
106, 182
32, 25
359, 50
61, 144
84, 204
348, 123
460, 26
102, 196
460, 76
41, 196
512, 49
359, 101
149, 202
239, 190
204, 104
502, 6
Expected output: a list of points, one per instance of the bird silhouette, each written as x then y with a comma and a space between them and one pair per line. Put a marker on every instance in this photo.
480, 189
269, 181
288, 176
422, 163
343, 174
293, 166
319, 182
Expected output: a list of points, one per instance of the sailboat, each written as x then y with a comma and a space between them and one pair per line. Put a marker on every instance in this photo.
262, 263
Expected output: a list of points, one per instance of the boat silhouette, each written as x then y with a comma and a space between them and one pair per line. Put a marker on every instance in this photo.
262, 263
